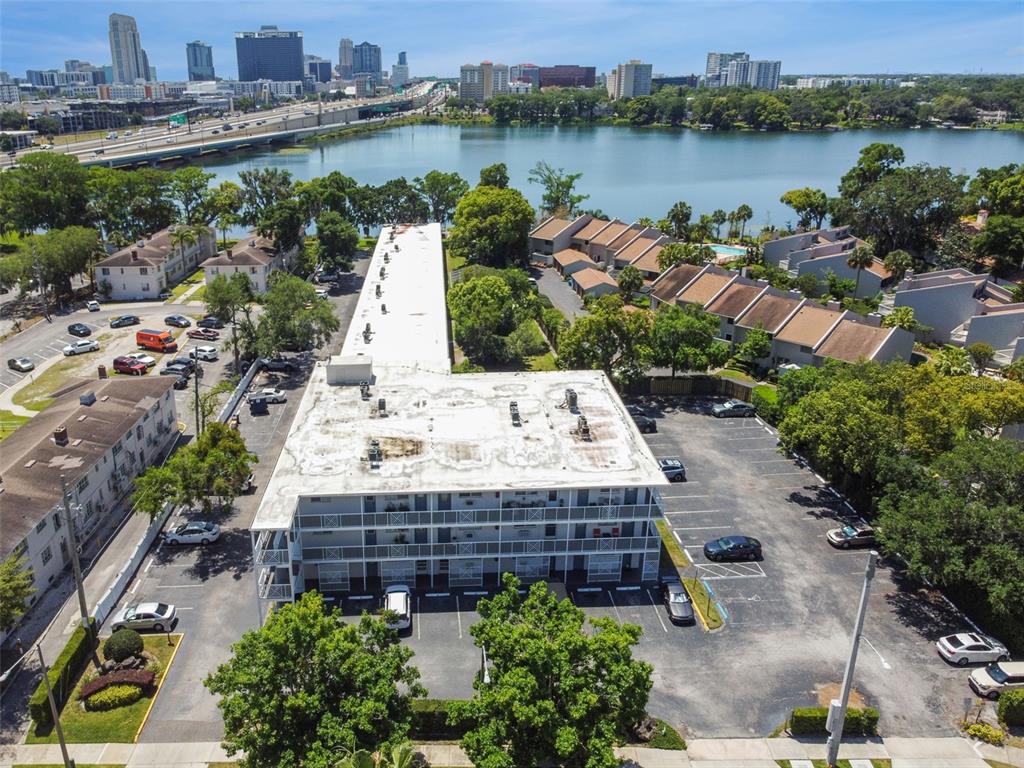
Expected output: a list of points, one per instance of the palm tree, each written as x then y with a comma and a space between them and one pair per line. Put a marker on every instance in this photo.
898, 262
645, 221
402, 756
952, 361
744, 214
860, 258
719, 217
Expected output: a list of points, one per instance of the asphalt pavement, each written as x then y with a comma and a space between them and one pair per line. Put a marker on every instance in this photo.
564, 298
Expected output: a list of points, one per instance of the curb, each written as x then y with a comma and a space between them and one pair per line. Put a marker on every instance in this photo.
170, 661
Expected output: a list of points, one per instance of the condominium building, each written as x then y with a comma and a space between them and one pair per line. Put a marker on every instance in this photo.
525, 73
345, 59
717, 69
567, 76
480, 82
199, 57
366, 61
129, 59
257, 258
823, 251
738, 69
400, 71
629, 80
147, 268
269, 54
395, 470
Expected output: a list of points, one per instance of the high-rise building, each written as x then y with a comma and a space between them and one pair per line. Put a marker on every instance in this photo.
129, 59
318, 69
402, 60
366, 60
567, 76
345, 57
400, 71
525, 73
630, 79
764, 75
479, 82
199, 56
269, 54
716, 71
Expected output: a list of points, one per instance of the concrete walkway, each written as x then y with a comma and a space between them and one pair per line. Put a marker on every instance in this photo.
701, 753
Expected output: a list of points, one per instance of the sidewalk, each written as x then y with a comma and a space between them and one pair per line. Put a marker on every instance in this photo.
701, 753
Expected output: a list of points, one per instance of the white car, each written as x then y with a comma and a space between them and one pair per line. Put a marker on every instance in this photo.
270, 395
997, 677
147, 360
966, 648
204, 352
321, 293
158, 616
78, 347
198, 532
92, 305
398, 600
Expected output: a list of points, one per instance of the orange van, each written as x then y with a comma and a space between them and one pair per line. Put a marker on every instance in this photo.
156, 341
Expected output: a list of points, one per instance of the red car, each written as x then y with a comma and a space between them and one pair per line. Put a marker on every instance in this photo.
206, 334
129, 365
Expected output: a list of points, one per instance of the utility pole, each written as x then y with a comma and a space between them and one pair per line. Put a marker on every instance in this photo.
38, 267
68, 762
73, 544
837, 708
195, 399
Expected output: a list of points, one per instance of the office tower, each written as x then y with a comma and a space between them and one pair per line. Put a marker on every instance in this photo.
130, 62
269, 54
737, 72
317, 68
74, 65
525, 73
402, 61
630, 79
345, 57
716, 72
479, 82
400, 71
567, 76
366, 60
200, 60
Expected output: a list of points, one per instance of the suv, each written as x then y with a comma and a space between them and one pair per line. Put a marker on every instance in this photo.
178, 321
674, 470
204, 352
129, 365
398, 600
996, 678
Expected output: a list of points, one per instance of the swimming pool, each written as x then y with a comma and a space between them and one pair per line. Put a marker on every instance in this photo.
732, 251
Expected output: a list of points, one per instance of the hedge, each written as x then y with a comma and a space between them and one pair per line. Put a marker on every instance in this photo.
765, 400
122, 645
113, 697
143, 678
63, 673
430, 721
810, 721
1011, 707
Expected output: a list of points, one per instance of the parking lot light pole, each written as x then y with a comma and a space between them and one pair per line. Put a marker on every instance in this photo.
837, 709
68, 762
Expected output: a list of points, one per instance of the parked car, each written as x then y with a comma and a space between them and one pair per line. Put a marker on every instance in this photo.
678, 604
147, 360
178, 321
645, 424
92, 305
156, 341
198, 532
175, 369
271, 395
79, 329
853, 535
187, 362
210, 322
78, 347
398, 600
732, 408
673, 469
321, 293
997, 677
22, 364
966, 648
278, 364
164, 295
258, 406
122, 320
205, 334
181, 382
326, 277
129, 365
158, 616
733, 548
204, 352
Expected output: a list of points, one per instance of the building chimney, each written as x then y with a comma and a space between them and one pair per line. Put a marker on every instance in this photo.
60, 436
102, 371
135, 255
230, 254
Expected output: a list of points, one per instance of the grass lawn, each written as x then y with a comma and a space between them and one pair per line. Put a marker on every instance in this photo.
9, 422
36, 395
367, 243
188, 282
116, 725
454, 262
10, 242
199, 295
702, 601
545, 362
732, 373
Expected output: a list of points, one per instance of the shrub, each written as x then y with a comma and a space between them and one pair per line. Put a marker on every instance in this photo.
113, 697
62, 675
766, 400
985, 732
430, 721
1011, 707
808, 721
122, 645
666, 737
143, 678
526, 340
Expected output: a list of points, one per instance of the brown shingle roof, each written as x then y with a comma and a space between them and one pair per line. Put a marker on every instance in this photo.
734, 299
153, 252
810, 323
852, 341
624, 237
648, 262
634, 249
592, 228
704, 288
611, 232
769, 312
256, 251
670, 283
550, 228
878, 268
568, 256
589, 278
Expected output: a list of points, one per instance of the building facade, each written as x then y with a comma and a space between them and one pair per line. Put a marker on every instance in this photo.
269, 54
480, 82
400, 71
345, 59
525, 73
629, 80
129, 59
366, 60
567, 76
199, 57
147, 268
318, 69
397, 471
257, 258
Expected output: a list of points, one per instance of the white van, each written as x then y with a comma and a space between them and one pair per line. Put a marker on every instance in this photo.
398, 600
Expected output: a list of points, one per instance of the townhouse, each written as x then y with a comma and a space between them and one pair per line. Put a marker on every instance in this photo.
822, 251
256, 257
149, 267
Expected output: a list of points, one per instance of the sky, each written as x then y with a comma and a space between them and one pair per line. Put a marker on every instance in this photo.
809, 36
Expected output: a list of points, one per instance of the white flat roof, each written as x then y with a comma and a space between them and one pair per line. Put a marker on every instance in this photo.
452, 433
412, 335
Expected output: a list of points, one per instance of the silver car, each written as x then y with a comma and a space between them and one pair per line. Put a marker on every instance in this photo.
78, 347
158, 616
198, 532
732, 408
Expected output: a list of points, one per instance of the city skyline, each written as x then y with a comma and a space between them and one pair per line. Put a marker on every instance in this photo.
954, 37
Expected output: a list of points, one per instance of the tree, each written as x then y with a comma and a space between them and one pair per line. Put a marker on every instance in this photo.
683, 339
860, 258
898, 262
810, 204
494, 176
756, 345
1002, 239
558, 188
326, 193
679, 219
225, 205
672, 254
53, 259
718, 218
442, 192
558, 693
875, 161
187, 234
189, 189
307, 685
743, 214
226, 298
366, 209
631, 280
1015, 370
492, 227
402, 756
956, 248
46, 190
261, 189
1017, 293
130, 204
338, 240
293, 318
284, 222
901, 317
400, 202
981, 355
609, 339
15, 590
952, 361
481, 311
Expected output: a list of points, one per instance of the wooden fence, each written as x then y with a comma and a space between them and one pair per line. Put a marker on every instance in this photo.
693, 385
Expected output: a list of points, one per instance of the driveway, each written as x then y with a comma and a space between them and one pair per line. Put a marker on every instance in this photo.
564, 298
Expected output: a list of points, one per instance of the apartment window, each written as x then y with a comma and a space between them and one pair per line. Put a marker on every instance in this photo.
41, 525
117, 447
106, 270
20, 549
549, 529
56, 520
143, 271
252, 270
552, 495
145, 286
46, 555
138, 432
83, 484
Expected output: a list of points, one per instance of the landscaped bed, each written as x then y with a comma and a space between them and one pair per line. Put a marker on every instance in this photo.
114, 725
702, 602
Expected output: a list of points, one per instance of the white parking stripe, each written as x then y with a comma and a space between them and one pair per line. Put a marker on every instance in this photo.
702, 528
691, 512
657, 612
612, 599
684, 496
779, 474
755, 437
771, 461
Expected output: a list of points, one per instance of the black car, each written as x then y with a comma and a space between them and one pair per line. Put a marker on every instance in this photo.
178, 321
258, 405
210, 322
278, 364
123, 320
678, 604
645, 423
181, 382
733, 548
79, 329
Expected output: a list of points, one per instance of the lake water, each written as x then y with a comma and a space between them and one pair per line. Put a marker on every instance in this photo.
630, 172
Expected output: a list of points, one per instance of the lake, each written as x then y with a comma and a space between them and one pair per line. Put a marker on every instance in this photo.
633, 172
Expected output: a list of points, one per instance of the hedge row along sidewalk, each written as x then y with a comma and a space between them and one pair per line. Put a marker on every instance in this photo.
703, 605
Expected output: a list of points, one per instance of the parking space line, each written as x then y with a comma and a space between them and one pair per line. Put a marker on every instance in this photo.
702, 528
458, 613
418, 635
764, 448
684, 496
180, 586
777, 474
654, 607
691, 512
755, 437
771, 461
612, 599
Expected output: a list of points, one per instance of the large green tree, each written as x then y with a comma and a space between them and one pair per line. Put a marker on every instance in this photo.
494, 176
284, 222
129, 205
609, 339
559, 196
16, 588
482, 314
810, 204
442, 191
1002, 240
492, 227
292, 317
225, 206
683, 339
307, 686
46, 190
559, 692
229, 298
338, 240
679, 219
190, 191
53, 258
261, 189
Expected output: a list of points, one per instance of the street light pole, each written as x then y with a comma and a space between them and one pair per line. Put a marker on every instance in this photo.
195, 403
73, 544
837, 708
68, 762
